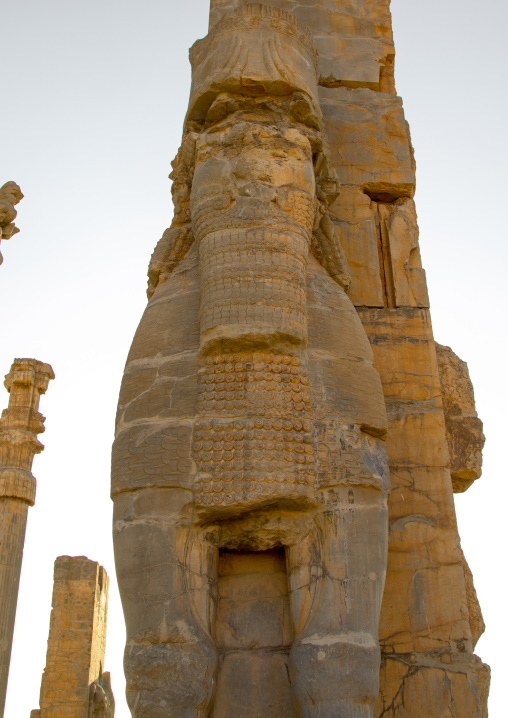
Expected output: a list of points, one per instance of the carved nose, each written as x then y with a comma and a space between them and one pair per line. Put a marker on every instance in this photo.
263, 192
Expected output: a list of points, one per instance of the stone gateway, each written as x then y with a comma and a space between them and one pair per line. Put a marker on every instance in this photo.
282, 378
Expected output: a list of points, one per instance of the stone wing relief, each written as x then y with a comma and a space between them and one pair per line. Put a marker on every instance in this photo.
325, 244
177, 239
464, 430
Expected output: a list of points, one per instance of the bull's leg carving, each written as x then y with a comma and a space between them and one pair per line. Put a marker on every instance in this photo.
170, 659
336, 585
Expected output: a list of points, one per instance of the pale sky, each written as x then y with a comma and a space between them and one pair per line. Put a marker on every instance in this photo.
94, 96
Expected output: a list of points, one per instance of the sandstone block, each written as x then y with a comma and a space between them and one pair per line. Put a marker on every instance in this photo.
417, 438
427, 691
464, 430
476, 622
263, 689
73, 683
369, 141
405, 357
353, 38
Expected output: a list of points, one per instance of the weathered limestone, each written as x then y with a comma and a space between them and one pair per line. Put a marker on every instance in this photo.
19, 426
464, 430
251, 421
425, 628
283, 373
73, 683
10, 195
353, 38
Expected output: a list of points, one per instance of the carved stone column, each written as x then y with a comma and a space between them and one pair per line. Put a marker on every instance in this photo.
19, 426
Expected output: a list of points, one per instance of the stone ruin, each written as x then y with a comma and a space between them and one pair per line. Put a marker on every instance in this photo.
20, 424
74, 684
10, 195
289, 435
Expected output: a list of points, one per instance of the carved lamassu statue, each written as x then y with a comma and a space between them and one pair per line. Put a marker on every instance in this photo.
249, 468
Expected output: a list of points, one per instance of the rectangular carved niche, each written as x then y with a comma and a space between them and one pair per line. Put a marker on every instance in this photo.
253, 632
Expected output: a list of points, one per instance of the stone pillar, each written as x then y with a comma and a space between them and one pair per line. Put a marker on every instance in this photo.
19, 426
73, 683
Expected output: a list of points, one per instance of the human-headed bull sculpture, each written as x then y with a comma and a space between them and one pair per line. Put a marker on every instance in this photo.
251, 418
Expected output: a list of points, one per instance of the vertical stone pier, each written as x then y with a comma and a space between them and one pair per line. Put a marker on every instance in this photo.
19, 426
73, 683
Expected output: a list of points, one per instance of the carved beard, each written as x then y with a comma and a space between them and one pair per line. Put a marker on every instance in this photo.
252, 208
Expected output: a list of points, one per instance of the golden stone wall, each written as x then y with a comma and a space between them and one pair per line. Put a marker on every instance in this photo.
74, 670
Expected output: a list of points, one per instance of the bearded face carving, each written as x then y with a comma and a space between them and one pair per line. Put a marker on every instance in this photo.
251, 419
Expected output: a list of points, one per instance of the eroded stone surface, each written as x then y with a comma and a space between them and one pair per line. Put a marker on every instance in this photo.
251, 422
20, 424
464, 430
261, 415
10, 195
353, 38
73, 682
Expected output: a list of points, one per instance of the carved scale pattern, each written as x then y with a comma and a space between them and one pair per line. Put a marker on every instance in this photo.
265, 454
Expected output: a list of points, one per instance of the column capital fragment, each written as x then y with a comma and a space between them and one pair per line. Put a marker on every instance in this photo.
19, 425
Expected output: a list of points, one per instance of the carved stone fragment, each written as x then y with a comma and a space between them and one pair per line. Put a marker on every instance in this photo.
464, 430
10, 195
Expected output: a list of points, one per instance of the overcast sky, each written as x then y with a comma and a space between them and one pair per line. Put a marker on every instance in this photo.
94, 95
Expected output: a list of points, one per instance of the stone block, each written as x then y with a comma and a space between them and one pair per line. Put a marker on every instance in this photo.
369, 141
414, 691
77, 643
464, 430
423, 607
404, 354
253, 685
158, 458
353, 38
417, 495
417, 439
252, 601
